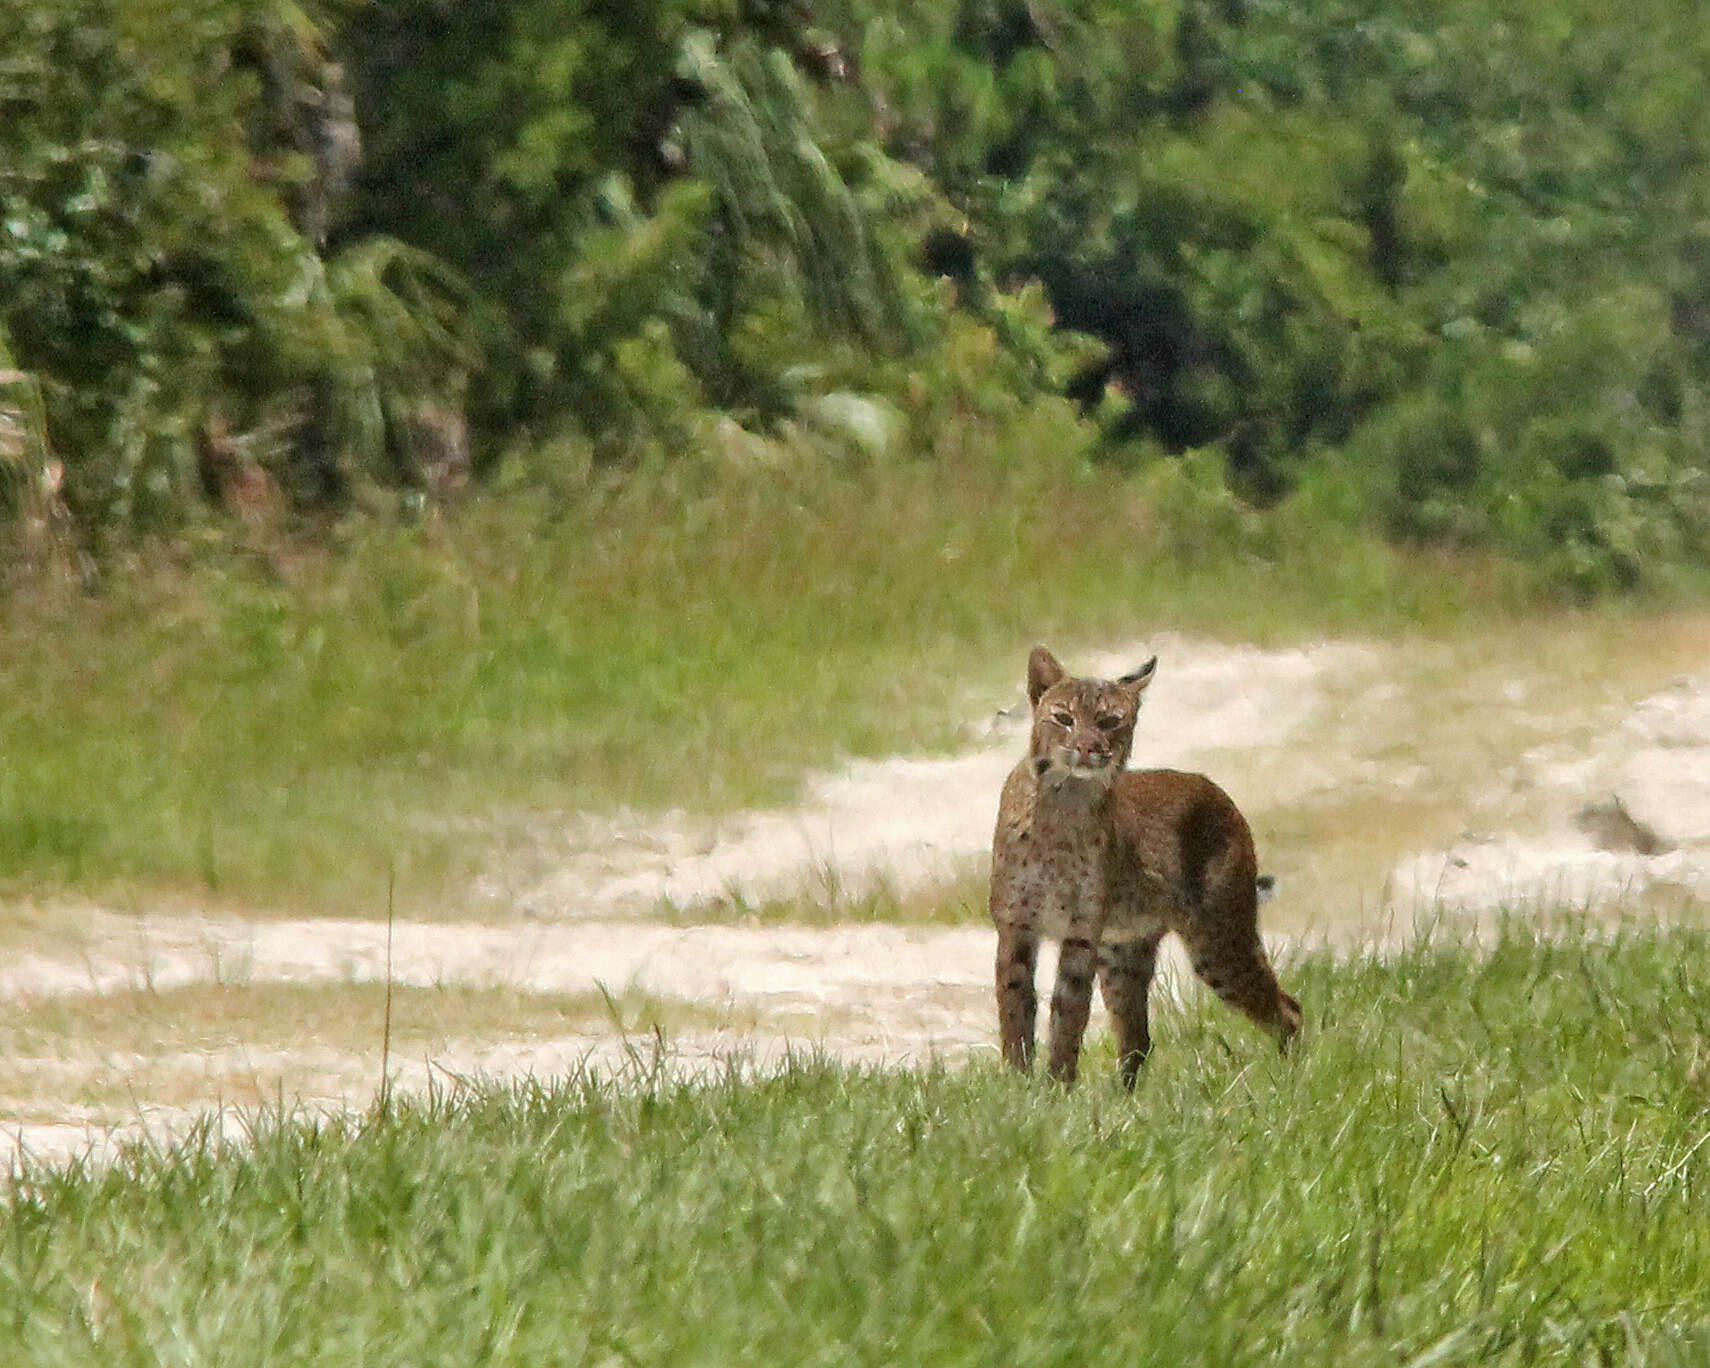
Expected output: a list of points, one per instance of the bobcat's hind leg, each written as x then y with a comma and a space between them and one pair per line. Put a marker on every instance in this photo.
1125, 977
1232, 963
1018, 1000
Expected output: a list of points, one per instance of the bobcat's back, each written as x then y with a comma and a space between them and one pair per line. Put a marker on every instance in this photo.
1191, 858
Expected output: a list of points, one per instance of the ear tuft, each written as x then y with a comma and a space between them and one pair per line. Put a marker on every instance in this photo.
1141, 677
1042, 672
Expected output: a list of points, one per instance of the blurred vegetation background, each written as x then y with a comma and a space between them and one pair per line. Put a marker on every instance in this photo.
418, 416
1439, 271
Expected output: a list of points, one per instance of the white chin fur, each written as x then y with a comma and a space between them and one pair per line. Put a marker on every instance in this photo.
1080, 774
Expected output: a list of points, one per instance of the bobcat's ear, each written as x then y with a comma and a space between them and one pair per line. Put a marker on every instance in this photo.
1140, 678
1042, 672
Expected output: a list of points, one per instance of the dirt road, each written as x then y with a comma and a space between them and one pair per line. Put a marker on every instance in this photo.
1383, 782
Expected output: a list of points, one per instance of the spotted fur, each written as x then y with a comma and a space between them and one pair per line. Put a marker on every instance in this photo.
1108, 860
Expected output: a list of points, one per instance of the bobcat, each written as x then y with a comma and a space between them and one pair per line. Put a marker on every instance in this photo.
1106, 860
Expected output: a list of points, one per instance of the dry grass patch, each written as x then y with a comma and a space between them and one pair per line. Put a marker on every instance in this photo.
254, 1044
30, 927
701, 642
337, 1016
824, 899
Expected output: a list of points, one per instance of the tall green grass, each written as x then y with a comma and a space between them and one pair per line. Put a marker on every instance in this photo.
1493, 1157
282, 727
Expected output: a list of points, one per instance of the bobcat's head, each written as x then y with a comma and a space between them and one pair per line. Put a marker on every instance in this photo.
1083, 729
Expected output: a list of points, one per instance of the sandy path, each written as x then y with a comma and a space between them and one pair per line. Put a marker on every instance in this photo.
836, 966
912, 823
1259, 720
1626, 816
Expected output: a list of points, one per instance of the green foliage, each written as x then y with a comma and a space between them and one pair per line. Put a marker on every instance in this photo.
136, 249
1449, 258
152, 275
1481, 1156
1317, 234
393, 339
1583, 453
644, 197
23, 437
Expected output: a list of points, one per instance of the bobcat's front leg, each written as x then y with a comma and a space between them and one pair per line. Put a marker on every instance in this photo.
1071, 1001
1071, 1004
1018, 1001
1125, 974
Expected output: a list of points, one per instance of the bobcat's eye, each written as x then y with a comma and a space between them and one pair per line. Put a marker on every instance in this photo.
1110, 722
1063, 717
